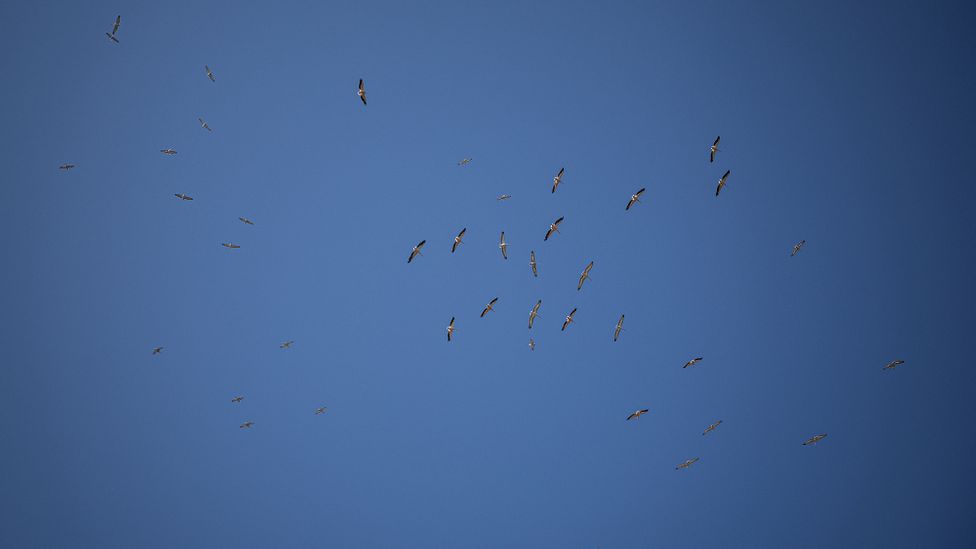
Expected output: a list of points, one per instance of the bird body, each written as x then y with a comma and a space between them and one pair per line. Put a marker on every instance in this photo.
686, 464
210, 73
230, 245
569, 319
66, 167
721, 182
489, 307
797, 246
182, 196
554, 227
713, 149
157, 350
711, 427
457, 239
237, 399
558, 179
204, 125
319, 411
416, 251
535, 271
503, 197
464, 162
247, 424
503, 245
620, 326
170, 152
450, 329
891, 365
815, 439
534, 313
286, 345
637, 414
531, 344
246, 221
692, 362
635, 198
362, 91
584, 276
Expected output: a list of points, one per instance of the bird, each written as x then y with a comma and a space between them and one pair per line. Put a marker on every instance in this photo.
815, 439
488, 307
246, 221
115, 28
503, 245
569, 319
534, 313
66, 167
637, 414
558, 179
713, 149
416, 251
503, 197
286, 345
182, 196
112, 37
531, 344
247, 424
230, 245
450, 329
457, 240
463, 162
797, 247
692, 362
686, 464
634, 198
237, 399
711, 427
721, 182
583, 276
554, 227
170, 152
620, 326
362, 91
320, 411
157, 350
210, 74
891, 365
535, 270
205, 125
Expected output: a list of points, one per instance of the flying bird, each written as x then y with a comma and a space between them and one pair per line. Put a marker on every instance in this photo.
637, 414
170, 152
457, 240
362, 91
237, 399
534, 313
535, 271
66, 167
503, 197
721, 182
815, 439
246, 221
797, 247
891, 365
711, 427
463, 162
584, 276
450, 329
620, 326
231, 246
569, 319
210, 74
531, 344
157, 350
416, 251
182, 196
692, 362
686, 464
205, 125
503, 245
247, 424
286, 344
320, 411
558, 179
488, 307
635, 198
713, 149
554, 227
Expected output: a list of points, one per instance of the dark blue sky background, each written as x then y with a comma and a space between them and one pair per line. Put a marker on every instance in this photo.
847, 126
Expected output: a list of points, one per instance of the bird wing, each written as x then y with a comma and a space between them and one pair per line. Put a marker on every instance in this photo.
361, 87
413, 253
632, 416
118, 20
558, 221
560, 174
492, 302
711, 155
717, 139
484, 312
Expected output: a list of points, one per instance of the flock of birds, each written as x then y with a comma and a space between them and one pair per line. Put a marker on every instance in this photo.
503, 247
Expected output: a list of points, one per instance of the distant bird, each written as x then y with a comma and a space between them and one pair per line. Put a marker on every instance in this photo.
815, 439
115, 28
692, 362
503, 245
210, 74
558, 179
247, 424
635, 198
620, 326
463, 162
182, 196
713, 149
797, 247
362, 91
569, 319
205, 125
686, 464
416, 251
711, 427
721, 182
503, 197
320, 411
237, 399
534, 313
531, 344
450, 329
891, 365
157, 350
286, 345
230, 245
637, 414
66, 167
457, 240
535, 270
488, 307
584, 276
554, 227
246, 221
170, 152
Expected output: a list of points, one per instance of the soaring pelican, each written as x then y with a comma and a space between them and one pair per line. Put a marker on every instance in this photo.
416, 251
535, 271
534, 313
569, 319
891, 365
503, 197
815, 439
553, 228
450, 329
115, 28
721, 182
157, 350
182, 196
246, 221
620, 326
713, 149
464, 162
692, 362
247, 424
204, 125
531, 344
488, 307
797, 247
230, 245
503, 245
237, 399
210, 73
711, 427
686, 464
558, 179
634, 198
320, 411
286, 345
362, 91
66, 167
457, 240
170, 152
637, 414
583, 276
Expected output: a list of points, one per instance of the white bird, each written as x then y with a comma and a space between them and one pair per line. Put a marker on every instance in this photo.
205, 125
692, 362
637, 414
534, 313
450, 329
686, 464
634, 198
489, 307
554, 227
569, 319
721, 182
713, 149
558, 179
416, 251
815, 439
457, 239
711, 427
620, 326
362, 91
503, 245
584, 276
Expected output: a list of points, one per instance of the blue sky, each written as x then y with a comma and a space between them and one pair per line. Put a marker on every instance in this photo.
846, 126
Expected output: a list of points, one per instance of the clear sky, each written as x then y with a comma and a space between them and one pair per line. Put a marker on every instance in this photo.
845, 126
